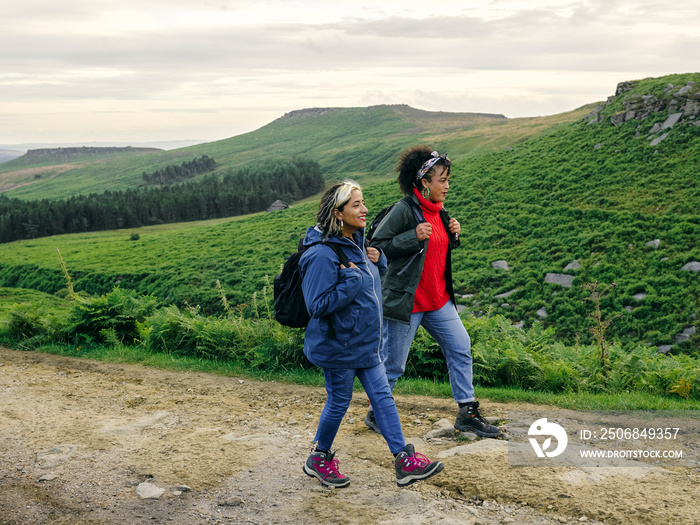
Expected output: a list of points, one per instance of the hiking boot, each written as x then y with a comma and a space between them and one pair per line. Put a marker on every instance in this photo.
324, 467
371, 421
411, 467
469, 420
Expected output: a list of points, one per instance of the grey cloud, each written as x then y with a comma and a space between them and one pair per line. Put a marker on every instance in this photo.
159, 62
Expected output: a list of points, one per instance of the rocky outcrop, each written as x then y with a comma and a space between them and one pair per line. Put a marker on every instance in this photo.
308, 112
680, 102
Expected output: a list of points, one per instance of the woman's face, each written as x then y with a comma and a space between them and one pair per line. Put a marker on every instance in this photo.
439, 184
354, 214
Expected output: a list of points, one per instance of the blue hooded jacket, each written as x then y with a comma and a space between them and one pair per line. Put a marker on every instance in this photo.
346, 328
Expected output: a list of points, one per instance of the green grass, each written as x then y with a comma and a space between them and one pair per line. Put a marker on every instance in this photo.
405, 387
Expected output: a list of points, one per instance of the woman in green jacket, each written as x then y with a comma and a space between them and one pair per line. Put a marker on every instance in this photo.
417, 236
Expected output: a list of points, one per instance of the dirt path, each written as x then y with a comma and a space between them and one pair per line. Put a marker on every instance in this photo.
78, 438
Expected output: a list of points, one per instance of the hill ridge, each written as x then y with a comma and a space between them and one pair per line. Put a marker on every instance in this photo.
68, 153
319, 111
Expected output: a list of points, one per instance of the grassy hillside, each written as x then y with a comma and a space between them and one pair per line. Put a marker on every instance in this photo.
596, 194
357, 142
595, 191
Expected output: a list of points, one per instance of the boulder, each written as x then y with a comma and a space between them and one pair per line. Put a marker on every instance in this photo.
277, 206
542, 312
659, 140
505, 294
441, 429
685, 335
671, 121
559, 278
692, 266
500, 264
573, 265
654, 244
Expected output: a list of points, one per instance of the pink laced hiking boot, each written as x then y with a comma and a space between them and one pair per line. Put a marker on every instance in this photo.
324, 467
412, 466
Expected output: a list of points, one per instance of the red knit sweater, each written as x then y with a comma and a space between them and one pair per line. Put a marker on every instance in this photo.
431, 293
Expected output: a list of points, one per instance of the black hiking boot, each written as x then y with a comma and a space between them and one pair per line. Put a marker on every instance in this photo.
371, 422
469, 420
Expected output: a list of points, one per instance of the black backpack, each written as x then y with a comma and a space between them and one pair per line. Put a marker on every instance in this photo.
369, 232
289, 305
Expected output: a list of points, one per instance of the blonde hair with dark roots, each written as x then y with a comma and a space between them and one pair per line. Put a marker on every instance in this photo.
410, 161
335, 198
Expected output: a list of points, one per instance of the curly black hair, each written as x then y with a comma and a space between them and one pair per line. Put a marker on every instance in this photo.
410, 161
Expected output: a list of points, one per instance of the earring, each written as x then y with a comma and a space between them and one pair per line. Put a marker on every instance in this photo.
425, 192
341, 225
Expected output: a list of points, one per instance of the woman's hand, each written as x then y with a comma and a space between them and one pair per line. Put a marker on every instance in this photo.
423, 231
352, 265
373, 254
454, 226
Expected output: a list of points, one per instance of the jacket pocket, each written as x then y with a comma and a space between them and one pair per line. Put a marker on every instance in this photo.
344, 323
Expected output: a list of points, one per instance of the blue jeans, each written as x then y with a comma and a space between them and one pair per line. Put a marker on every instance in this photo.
339, 389
445, 326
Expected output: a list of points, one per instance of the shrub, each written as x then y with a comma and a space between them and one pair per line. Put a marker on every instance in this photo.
115, 314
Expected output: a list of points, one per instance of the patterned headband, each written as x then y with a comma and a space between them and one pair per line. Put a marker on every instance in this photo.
425, 168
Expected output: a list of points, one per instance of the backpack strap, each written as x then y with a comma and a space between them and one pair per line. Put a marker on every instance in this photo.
337, 249
417, 214
340, 253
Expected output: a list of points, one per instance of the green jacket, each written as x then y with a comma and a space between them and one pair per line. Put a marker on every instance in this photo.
396, 237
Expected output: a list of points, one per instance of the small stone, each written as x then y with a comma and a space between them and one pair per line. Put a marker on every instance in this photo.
231, 502
149, 491
183, 488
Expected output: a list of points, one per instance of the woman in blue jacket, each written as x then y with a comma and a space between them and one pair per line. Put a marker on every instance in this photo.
346, 335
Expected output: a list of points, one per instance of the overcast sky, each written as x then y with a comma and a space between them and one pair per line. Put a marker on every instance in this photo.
153, 70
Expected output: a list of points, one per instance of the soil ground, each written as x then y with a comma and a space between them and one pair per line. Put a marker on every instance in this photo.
78, 438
